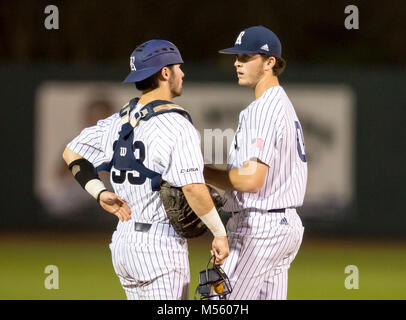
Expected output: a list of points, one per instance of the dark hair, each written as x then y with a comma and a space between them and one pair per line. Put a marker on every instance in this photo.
279, 66
151, 82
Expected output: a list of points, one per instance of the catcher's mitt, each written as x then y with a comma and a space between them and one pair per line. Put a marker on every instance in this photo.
185, 222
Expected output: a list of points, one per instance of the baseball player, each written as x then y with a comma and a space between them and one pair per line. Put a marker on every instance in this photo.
265, 180
149, 257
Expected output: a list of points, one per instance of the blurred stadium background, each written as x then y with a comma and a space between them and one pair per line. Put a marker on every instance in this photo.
347, 86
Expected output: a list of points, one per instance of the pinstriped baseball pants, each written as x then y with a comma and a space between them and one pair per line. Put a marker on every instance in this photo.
151, 265
262, 247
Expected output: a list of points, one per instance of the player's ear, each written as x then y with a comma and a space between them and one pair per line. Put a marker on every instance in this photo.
269, 63
165, 72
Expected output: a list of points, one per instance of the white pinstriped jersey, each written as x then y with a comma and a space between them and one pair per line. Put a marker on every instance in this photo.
167, 144
150, 264
270, 131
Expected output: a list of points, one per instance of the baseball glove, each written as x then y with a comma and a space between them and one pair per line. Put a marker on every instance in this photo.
183, 219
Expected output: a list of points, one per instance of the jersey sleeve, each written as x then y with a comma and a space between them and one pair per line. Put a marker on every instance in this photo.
185, 164
92, 142
264, 129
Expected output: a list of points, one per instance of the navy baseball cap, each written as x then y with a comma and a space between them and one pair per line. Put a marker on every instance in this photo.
150, 57
256, 39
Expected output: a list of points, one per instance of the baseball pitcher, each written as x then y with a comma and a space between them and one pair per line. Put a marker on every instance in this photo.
266, 176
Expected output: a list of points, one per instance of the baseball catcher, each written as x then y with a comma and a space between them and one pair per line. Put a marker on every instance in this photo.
183, 219
126, 144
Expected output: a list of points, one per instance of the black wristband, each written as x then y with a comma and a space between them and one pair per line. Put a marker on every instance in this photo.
83, 171
98, 196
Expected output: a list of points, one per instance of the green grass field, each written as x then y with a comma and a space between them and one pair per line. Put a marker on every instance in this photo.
86, 271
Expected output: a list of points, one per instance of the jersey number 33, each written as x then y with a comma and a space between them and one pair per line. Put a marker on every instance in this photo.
140, 179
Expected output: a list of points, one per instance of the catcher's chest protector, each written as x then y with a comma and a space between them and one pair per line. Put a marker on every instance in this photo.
123, 157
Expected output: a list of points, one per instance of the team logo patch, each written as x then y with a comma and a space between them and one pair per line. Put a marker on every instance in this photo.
189, 170
239, 38
123, 151
132, 65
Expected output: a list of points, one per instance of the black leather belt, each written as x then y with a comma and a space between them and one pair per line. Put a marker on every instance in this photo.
142, 227
272, 210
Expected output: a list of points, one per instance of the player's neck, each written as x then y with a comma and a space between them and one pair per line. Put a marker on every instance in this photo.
264, 84
156, 94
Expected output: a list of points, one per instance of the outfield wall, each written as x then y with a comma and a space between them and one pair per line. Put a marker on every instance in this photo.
352, 122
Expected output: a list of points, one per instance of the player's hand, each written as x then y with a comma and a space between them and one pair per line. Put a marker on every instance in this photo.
115, 205
220, 249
